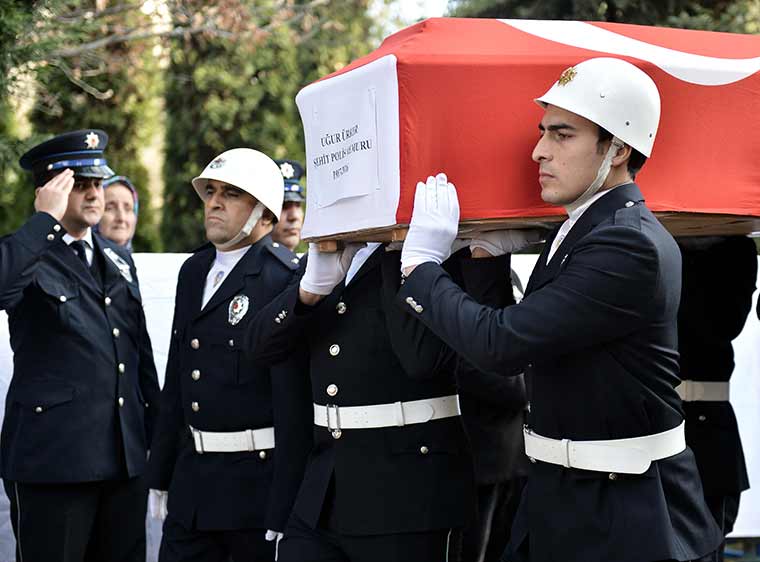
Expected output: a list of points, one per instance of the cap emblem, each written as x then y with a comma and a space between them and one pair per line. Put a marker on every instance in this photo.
567, 76
218, 163
92, 140
287, 171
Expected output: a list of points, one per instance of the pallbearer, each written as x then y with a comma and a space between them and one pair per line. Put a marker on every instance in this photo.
612, 477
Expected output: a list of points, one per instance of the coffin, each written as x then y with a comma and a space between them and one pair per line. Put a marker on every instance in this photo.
455, 95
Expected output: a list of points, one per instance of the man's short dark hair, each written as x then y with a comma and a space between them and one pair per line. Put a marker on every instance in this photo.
635, 162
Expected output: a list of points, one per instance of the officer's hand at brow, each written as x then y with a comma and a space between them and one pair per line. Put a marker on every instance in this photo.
434, 224
500, 242
324, 270
53, 197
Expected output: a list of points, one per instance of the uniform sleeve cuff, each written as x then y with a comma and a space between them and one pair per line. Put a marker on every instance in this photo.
39, 232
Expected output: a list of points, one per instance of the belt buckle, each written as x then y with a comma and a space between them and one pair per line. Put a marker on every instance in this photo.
334, 408
198, 438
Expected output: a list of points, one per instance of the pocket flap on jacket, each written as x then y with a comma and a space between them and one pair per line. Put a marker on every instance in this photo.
43, 392
57, 288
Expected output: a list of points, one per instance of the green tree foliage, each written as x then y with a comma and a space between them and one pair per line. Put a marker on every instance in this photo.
718, 15
17, 16
240, 92
118, 91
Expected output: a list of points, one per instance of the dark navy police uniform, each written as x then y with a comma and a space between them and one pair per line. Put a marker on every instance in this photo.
371, 494
220, 504
709, 318
493, 410
81, 403
596, 334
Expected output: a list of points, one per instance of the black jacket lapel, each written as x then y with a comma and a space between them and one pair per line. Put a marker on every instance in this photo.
73, 264
110, 271
369, 264
601, 210
249, 264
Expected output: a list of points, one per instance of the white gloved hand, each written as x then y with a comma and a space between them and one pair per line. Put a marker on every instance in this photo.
274, 536
324, 270
500, 242
157, 504
434, 224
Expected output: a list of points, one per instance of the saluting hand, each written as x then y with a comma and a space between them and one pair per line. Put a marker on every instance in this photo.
434, 224
53, 197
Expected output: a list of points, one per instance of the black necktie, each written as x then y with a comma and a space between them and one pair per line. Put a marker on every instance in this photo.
79, 249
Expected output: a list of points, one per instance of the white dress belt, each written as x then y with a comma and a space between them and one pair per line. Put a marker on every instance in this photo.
626, 456
703, 391
394, 414
233, 441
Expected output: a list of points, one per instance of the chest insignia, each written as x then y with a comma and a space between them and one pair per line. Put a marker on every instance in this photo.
238, 308
122, 265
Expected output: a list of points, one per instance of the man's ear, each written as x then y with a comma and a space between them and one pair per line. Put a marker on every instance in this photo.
622, 156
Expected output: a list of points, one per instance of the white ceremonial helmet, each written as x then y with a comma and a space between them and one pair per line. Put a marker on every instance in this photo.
250, 171
617, 96
614, 94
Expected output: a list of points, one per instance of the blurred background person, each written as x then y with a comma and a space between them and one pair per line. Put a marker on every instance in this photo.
709, 319
287, 231
120, 215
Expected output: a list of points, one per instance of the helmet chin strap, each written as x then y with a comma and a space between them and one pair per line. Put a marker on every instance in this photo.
601, 175
258, 210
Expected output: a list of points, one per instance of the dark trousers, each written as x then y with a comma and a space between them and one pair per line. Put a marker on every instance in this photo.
724, 509
179, 544
303, 544
487, 537
79, 522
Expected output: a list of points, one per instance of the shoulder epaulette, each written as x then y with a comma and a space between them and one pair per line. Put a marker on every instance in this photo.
630, 215
288, 258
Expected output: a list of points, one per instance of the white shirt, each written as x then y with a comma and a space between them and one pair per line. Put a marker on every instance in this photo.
572, 218
224, 262
88, 245
360, 258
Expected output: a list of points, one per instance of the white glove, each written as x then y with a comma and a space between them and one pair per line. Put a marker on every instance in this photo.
157, 500
434, 224
324, 270
500, 242
274, 536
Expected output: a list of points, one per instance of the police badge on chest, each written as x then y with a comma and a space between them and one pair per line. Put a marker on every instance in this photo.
238, 308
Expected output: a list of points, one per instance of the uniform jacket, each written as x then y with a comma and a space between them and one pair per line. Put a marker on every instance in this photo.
596, 334
84, 391
711, 315
360, 342
493, 406
208, 368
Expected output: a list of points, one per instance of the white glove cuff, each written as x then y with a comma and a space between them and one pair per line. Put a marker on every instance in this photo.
492, 249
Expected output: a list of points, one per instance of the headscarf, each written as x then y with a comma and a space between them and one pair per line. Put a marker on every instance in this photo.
123, 180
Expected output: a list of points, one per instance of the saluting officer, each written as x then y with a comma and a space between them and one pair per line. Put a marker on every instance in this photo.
80, 406
709, 318
287, 231
233, 436
390, 475
612, 477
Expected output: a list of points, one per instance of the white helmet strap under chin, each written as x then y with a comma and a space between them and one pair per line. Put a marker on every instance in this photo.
258, 210
601, 175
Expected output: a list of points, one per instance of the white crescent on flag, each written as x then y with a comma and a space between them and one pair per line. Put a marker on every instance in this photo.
696, 69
